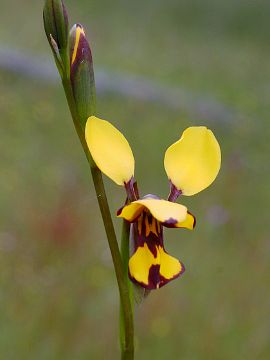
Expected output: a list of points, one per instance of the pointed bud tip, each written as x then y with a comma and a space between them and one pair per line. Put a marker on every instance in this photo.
55, 20
79, 47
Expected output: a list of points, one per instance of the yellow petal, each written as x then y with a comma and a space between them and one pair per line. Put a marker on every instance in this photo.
110, 150
140, 264
170, 267
153, 272
189, 223
193, 162
130, 212
168, 213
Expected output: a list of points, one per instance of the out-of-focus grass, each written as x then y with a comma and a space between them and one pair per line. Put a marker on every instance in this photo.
57, 290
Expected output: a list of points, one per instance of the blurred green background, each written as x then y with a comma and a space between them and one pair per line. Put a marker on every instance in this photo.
58, 294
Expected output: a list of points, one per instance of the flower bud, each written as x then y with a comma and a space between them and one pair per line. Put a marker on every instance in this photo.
82, 74
56, 24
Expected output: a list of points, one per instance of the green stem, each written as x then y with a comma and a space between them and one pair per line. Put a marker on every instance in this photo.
125, 259
128, 346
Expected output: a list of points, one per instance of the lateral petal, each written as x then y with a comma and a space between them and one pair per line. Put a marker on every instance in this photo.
193, 162
110, 150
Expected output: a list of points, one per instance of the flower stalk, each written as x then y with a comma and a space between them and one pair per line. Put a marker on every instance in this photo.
74, 61
126, 312
126, 340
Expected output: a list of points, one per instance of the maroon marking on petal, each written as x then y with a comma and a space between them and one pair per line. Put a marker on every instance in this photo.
152, 246
140, 238
153, 278
170, 222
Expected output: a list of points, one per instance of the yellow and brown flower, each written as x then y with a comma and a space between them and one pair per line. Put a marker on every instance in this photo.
192, 164
151, 266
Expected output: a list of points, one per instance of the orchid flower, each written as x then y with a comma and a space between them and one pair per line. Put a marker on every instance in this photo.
191, 163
